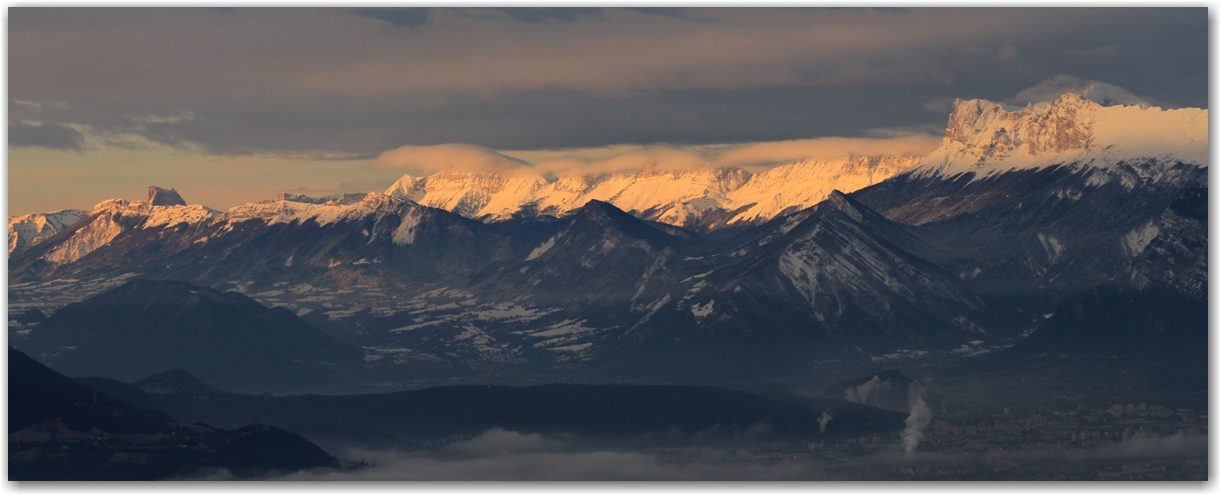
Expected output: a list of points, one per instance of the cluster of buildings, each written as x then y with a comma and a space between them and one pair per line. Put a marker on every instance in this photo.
1120, 442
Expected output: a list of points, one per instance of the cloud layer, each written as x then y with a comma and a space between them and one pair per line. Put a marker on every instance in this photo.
443, 157
1096, 91
360, 81
50, 136
426, 160
238, 104
505, 455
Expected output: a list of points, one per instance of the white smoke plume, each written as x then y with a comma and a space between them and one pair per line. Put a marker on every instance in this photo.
919, 418
860, 394
824, 419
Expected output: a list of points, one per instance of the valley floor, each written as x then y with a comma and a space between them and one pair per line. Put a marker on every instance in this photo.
1131, 448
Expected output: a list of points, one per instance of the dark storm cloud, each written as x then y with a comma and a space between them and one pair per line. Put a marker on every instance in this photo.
669, 11
403, 17
358, 82
540, 14
50, 136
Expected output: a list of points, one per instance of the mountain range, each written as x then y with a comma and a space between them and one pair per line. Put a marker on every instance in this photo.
714, 276
148, 326
700, 200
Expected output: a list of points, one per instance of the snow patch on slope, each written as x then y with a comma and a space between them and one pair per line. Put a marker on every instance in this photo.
1135, 241
801, 269
541, 249
405, 233
1053, 247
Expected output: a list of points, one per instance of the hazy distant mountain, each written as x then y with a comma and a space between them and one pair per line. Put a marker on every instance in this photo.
604, 414
62, 430
144, 327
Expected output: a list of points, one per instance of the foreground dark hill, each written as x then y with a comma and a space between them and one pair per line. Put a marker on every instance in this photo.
62, 430
145, 327
603, 413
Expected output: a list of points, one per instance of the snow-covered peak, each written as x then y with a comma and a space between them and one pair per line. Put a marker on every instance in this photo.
721, 180
667, 196
344, 198
808, 182
28, 230
675, 197
289, 208
112, 217
145, 215
986, 138
470, 194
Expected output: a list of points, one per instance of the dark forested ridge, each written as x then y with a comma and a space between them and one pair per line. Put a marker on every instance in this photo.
604, 413
62, 430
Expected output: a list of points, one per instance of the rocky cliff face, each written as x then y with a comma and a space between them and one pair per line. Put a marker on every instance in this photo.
987, 138
26, 231
111, 218
158, 196
1043, 202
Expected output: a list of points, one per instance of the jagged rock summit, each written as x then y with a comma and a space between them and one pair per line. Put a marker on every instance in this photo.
986, 138
158, 196
27, 231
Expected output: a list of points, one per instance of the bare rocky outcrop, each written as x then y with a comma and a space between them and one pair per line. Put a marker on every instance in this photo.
158, 196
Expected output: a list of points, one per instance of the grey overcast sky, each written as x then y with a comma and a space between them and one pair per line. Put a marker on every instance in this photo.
105, 98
